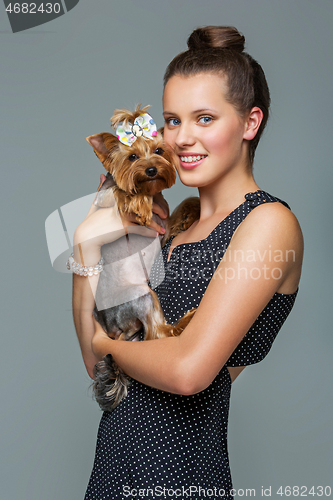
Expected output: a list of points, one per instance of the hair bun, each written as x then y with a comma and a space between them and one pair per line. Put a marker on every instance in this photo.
223, 37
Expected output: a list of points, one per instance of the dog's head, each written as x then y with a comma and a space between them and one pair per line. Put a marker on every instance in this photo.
146, 167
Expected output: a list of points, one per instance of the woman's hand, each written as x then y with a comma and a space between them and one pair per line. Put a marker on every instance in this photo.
160, 207
105, 225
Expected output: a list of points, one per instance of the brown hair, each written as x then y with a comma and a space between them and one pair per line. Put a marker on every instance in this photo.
220, 49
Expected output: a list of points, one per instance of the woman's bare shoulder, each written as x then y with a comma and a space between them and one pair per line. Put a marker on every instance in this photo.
273, 230
273, 218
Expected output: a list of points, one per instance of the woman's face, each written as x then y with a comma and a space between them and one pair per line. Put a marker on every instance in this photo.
204, 130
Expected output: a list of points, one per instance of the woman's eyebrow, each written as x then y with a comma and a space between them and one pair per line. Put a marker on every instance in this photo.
204, 110
194, 112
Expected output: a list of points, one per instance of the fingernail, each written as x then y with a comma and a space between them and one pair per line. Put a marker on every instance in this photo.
162, 230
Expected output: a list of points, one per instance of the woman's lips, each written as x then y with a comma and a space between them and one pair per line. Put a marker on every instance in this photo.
193, 162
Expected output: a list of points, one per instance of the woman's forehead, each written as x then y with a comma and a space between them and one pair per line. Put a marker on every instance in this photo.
197, 92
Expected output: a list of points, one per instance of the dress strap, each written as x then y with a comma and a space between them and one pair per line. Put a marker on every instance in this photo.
259, 197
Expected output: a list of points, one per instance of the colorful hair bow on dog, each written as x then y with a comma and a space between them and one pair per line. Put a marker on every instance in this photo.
143, 125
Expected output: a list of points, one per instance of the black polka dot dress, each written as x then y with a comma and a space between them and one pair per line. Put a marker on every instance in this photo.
161, 445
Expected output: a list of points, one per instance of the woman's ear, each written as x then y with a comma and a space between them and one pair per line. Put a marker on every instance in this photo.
252, 123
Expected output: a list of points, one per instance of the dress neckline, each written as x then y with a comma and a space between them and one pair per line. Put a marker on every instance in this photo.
251, 195
212, 231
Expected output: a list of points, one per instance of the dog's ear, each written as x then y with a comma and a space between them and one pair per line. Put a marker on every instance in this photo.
161, 131
103, 143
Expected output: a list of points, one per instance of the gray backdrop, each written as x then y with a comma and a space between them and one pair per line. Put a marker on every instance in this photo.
61, 82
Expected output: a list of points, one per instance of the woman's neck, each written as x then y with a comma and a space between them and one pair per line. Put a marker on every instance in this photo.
225, 194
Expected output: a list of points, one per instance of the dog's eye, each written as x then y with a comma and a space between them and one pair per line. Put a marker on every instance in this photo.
133, 157
159, 151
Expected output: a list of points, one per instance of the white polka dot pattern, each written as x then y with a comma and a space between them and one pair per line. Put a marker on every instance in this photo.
154, 439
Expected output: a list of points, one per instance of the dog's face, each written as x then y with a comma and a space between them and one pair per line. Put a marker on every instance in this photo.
146, 167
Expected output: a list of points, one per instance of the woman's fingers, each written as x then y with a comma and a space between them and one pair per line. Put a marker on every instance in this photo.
131, 221
142, 230
131, 225
161, 202
158, 210
157, 227
102, 178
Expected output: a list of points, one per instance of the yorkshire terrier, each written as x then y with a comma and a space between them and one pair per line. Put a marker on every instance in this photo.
139, 165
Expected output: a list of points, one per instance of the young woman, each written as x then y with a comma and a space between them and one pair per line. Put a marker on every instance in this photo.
239, 264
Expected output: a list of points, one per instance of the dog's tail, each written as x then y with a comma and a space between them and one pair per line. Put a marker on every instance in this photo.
110, 385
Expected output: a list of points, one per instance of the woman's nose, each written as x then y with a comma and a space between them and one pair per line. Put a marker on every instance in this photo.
185, 136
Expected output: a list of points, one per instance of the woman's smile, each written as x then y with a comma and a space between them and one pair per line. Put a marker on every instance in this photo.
191, 160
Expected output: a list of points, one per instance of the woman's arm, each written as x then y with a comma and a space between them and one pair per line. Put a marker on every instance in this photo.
239, 290
83, 304
101, 226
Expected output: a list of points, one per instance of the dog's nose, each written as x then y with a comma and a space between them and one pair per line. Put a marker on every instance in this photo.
151, 171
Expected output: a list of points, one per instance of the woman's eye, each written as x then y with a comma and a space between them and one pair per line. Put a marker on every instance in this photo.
159, 151
133, 157
205, 119
173, 122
